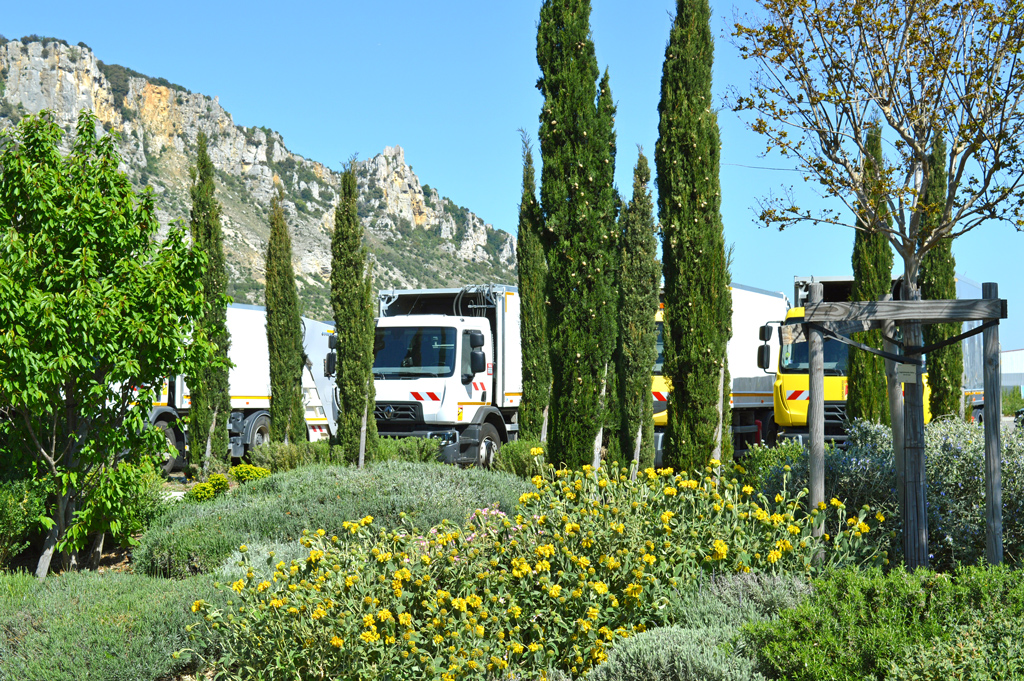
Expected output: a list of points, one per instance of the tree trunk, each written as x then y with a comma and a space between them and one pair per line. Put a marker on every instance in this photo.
43, 565
600, 429
96, 552
717, 452
816, 410
915, 522
544, 426
362, 438
209, 444
636, 451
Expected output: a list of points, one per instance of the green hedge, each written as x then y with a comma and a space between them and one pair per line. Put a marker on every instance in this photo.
278, 456
88, 626
198, 538
865, 625
517, 457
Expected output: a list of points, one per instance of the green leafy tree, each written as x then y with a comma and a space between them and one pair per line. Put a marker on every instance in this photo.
938, 282
578, 228
208, 385
94, 311
284, 332
639, 278
533, 301
352, 301
872, 278
698, 302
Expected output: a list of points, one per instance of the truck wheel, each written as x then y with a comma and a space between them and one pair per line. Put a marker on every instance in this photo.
490, 443
260, 432
770, 432
175, 446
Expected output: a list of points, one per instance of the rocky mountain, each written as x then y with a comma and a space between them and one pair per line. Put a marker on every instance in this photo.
416, 236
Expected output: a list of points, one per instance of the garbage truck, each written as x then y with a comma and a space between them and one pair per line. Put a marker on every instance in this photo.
248, 423
448, 365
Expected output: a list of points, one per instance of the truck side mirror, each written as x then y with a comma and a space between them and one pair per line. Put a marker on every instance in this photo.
477, 361
332, 342
764, 356
476, 340
330, 363
765, 333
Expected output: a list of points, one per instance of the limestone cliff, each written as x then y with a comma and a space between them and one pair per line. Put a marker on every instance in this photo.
417, 237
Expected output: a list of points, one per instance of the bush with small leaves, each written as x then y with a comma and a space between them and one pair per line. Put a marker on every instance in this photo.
246, 472
218, 483
201, 492
525, 458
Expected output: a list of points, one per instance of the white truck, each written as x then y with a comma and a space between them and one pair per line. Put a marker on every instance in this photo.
248, 423
448, 365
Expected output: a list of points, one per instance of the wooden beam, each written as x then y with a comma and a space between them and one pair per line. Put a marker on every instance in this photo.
920, 311
794, 333
993, 444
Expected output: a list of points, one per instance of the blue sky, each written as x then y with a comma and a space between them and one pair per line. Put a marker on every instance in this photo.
452, 82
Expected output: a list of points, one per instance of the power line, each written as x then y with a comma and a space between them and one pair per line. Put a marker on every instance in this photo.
740, 165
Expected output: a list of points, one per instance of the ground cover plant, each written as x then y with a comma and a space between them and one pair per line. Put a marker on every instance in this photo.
196, 538
864, 473
95, 627
586, 559
868, 625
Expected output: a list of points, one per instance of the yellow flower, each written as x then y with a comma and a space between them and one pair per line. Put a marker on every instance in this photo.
370, 636
863, 528
715, 462
634, 590
318, 613
793, 529
880, 517
838, 504
238, 586
779, 498
649, 559
263, 586
276, 603
405, 619
198, 605
599, 587
555, 591
747, 489
337, 642
293, 610
670, 491
536, 451
719, 550
368, 621
667, 516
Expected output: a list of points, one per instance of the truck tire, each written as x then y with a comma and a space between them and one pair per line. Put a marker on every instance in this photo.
490, 444
260, 432
175, 446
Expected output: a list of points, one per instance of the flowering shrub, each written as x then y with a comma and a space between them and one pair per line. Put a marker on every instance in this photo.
245, 473
219, 483
586, 559
201, 492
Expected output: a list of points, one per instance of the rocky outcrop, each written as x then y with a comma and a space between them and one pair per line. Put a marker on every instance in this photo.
416, 236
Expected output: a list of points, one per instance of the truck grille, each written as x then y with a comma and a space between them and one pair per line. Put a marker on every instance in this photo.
835, 417
399, 412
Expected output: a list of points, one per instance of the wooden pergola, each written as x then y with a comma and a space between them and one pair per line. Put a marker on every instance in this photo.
838, 321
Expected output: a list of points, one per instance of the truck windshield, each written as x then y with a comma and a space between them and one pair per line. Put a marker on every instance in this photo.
794, 358
661, 351
413, 352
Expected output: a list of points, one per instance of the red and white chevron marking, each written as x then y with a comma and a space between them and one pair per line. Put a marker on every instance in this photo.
798, 395
425, 397
479, 385
659, 397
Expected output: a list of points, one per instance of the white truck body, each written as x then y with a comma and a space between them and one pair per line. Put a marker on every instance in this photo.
249, 383
423, 355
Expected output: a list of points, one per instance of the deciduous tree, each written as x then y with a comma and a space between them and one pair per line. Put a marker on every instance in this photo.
208, 385
698, 302
94, 312
929, 69
352, 301
284, 332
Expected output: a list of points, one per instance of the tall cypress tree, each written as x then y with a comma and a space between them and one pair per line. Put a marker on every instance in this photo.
937, 278
575, 191
639, 277
209, 389
284, 332
352, 301
872, 278
533, 301
698, 302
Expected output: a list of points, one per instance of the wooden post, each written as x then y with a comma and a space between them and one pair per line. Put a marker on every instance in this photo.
816, 408
915, 521
895, 392
993, 443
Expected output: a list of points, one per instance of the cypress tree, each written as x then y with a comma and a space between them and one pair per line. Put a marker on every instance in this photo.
937, 278
352, 301
698, 302
533, 301
284, 332
639, 277
209, 389
576, 200
872, 278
